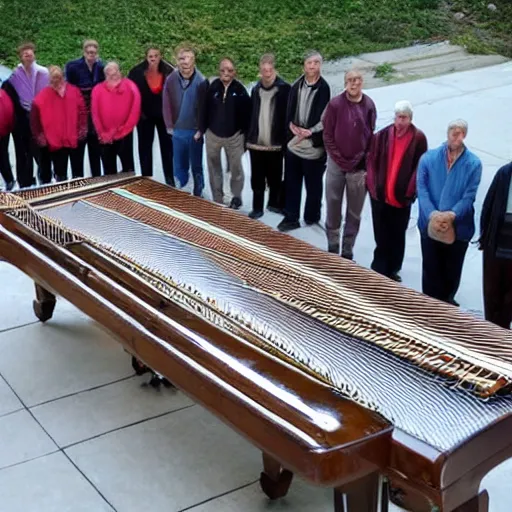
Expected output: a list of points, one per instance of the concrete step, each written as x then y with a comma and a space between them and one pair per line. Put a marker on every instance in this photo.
406, 64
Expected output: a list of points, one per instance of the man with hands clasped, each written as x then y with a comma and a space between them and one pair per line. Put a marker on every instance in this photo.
305, 154
448, 180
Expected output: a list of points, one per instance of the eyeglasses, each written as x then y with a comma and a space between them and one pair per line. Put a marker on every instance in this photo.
227, 70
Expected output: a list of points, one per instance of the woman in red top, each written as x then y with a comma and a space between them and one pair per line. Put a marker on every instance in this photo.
149, 76
6, 126
59, 121
115, 108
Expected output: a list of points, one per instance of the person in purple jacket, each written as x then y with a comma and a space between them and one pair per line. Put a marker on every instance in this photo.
26, 81
349, 122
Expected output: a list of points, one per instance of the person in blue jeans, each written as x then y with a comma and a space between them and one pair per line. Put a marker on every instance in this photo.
447, 182
182, 102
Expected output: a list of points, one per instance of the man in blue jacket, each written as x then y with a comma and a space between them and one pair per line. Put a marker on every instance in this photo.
447, 183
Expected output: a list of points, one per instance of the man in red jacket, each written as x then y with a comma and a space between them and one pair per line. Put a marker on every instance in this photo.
115, 108
391, 179
6, 126
59, 121
349, 122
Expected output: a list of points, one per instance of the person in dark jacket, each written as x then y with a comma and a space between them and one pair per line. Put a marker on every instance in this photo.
85, 73
266, 138
305, 154
496, 243
150, 76
6, 127
391, 180
225, 122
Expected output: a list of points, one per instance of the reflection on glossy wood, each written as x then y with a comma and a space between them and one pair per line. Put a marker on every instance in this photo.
43, 304
299, 421
477, 504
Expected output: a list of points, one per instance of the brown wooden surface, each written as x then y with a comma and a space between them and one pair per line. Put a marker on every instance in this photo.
426, 476
361, 495
292, 417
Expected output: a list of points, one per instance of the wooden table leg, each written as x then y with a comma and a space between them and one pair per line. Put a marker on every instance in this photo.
44, 303
274, 480
479, 503
361, 495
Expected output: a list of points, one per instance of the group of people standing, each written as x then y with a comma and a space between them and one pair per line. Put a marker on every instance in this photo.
295, 134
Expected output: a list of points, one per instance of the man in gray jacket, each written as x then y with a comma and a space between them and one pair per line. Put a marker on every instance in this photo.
183, 97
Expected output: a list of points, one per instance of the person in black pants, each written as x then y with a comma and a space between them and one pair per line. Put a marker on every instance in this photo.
149, 76
26, 81
391, 181
266, 138
85, 73
305, 155
496, 244
447, 182
5, 163
58, 160
6, 126
58, 122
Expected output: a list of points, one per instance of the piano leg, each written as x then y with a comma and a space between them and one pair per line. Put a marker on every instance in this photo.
44, 304
274, 480
479, 503
361, 495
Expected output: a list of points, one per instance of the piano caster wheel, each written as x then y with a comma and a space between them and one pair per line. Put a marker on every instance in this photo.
44, 304
156, 380
139, 368
43, 310
276, 489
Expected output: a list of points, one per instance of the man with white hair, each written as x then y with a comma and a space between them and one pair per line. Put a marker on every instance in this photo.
447, 182
391, 181
305, 153
349, 123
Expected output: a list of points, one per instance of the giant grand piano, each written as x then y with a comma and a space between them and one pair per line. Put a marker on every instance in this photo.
335, 373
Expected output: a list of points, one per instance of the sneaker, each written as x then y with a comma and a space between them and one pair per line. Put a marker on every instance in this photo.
274, 209
9, 186
348, 257
288, 225
334, 248
256, 214
396, 277
236, 203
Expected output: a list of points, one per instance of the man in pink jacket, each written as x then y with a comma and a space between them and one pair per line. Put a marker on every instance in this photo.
58, 122
115, 109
